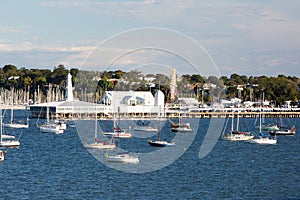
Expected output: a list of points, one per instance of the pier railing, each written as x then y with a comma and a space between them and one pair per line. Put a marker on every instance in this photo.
219, 114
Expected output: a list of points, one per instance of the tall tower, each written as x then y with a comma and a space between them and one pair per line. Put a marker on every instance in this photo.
69, 88
173, 85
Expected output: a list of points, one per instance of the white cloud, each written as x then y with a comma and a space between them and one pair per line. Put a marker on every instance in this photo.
244, 34
275, 62
6, 46
147, 10
10, 29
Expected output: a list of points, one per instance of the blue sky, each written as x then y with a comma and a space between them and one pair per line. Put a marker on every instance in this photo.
244, 37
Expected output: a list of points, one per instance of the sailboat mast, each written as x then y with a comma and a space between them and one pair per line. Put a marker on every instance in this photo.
232, 120
158, 134
47, 108
12, 104
47, 114
1, 125
96, 123
119, 117
260, 120
237, 122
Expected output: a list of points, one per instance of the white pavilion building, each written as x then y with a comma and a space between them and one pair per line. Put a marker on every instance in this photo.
128, 104
69, 108
135, 103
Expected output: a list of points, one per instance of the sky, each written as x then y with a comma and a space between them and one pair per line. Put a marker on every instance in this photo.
216, 37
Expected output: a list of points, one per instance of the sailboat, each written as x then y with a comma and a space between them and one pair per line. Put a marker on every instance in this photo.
265, 126
263, 139
60, 123
160, 143
50, 127
181, 126
117, 131
284, 130
145, 129
11, 142
237, 135
123, 157
144, 126
97, 144
12, 124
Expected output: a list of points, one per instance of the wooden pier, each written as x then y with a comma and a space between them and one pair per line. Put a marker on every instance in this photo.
241, 114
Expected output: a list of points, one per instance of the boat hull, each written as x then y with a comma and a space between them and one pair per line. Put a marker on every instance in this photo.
160, 143
238, 137
263, 141
10, 143
146, 129
16, 125
118, 134
282, 133
99, 146
1, 155
50, 129
182, 129
8, 137
123, 159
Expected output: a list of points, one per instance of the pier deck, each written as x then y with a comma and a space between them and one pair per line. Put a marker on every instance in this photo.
241, 114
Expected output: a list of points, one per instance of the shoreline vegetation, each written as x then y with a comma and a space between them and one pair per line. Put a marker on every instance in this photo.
33, 86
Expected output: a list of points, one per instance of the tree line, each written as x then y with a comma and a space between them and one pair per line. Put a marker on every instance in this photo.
91, 85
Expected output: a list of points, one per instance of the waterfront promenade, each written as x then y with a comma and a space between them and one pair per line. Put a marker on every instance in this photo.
269, 113
286, 114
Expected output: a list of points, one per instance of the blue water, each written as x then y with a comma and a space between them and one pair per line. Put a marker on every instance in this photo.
50, 166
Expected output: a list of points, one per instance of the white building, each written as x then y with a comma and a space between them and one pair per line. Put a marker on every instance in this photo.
125, 103
69, 108
134, 103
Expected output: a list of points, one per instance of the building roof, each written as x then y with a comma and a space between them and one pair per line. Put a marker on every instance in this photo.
118, 96
188, 101
74, 103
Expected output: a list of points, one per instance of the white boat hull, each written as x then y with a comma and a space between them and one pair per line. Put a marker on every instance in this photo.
99, 145
182, 129
13, 125
49, 128
284, 132
118, 134
146, 129
10, 143
238, 137
62, 126
8, 137
123, 158
262, 140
